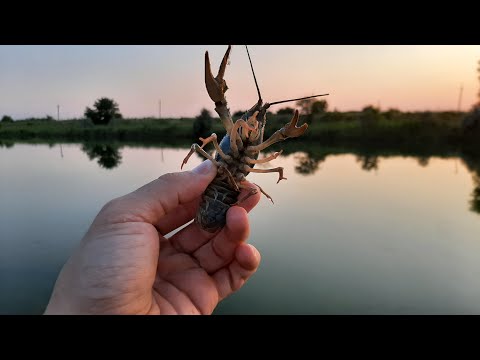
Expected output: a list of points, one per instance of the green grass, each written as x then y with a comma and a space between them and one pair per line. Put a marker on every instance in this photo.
328, 128
80, 130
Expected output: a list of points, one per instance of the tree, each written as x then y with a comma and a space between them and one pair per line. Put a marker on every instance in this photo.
471, 121
319, 107
286, 111
105, 110
305, 106
238, 113
7, 119
202, 126
392, 114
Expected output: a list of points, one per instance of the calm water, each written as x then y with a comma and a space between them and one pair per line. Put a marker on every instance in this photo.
347, 234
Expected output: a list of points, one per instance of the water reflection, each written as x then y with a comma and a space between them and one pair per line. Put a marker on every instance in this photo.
309, 156
108, 155
475, 200
307, 164
6, 143
472, 161
368, 162
423, 160
339, 239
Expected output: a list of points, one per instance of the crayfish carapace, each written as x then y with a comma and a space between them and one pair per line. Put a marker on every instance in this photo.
238, 151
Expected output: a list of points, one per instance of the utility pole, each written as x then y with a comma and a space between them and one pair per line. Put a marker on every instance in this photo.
460, 98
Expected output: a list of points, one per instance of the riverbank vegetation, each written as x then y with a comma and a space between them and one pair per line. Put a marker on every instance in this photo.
368, 126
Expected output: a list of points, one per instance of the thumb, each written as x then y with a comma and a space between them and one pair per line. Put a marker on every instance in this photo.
205, 168
156, 199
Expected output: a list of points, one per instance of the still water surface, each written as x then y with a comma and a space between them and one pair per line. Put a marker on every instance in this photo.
347, 235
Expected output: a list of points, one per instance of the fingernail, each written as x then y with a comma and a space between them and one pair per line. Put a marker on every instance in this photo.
205, 168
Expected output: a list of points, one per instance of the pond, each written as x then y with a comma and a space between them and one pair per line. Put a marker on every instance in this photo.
349, 233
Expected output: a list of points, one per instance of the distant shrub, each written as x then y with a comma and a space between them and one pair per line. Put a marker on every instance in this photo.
286, 111
471, 122
305, 106
238, 113
202, 126
105, 110
370, 115
319, 107
392, 114
7, 119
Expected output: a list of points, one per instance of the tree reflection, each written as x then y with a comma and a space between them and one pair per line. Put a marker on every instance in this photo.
475, 199
472, 162
8, 144
369, 162
108, 155
307, 163
423, 160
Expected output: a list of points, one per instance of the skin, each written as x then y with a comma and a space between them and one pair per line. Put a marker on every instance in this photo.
126, 265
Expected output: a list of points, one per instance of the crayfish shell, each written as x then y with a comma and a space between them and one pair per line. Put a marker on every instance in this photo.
216, 200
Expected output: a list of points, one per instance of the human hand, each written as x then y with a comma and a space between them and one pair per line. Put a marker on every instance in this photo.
125, 265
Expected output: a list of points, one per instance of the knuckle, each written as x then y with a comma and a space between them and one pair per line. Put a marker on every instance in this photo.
112, 204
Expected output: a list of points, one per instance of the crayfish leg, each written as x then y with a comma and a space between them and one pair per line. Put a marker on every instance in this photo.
264, 160
264, 193
213, 138
198, 149
278, 169
252, 192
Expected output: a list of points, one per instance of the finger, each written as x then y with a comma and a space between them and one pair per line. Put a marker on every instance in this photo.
223, 65
221, 249
230, 279
153, 201
193, 237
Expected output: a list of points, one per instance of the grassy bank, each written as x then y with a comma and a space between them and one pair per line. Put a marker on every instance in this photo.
329, 128
81, 130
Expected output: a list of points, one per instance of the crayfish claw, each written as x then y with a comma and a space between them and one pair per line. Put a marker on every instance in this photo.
291, 130
216, 86
223, 65
280, 174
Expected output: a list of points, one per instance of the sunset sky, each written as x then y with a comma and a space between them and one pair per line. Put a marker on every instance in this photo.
34, 79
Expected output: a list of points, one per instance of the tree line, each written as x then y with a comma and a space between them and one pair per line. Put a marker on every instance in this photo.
104, 111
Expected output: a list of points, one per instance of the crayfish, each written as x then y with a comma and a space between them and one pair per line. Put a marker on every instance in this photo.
238, 151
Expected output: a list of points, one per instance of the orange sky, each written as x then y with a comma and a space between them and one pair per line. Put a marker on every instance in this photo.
37, 78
